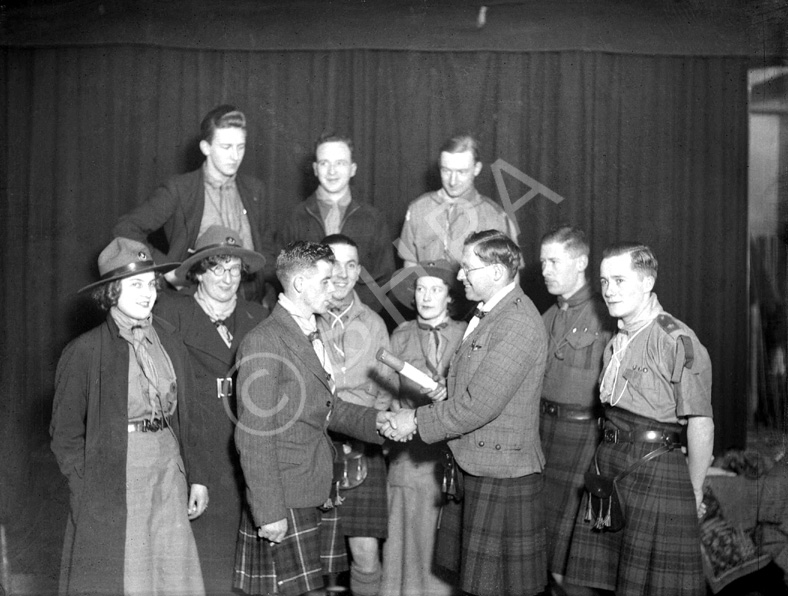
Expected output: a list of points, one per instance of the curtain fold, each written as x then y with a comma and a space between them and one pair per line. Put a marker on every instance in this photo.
652, 148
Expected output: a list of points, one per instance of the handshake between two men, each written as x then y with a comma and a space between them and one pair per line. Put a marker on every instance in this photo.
401, 424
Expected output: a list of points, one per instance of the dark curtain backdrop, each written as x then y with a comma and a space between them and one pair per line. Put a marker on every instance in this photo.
641, 147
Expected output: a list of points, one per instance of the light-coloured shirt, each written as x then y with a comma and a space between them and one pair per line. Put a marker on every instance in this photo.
223, 207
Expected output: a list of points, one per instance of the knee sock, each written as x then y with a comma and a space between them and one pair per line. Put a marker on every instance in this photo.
363, 583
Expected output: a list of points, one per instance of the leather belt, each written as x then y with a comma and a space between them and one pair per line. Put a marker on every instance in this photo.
551, 408
641, 435
149, 426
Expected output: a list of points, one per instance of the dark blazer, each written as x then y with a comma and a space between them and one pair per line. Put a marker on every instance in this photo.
495, 380
214, 419
364, 224
89, 439
285, 407
177, 207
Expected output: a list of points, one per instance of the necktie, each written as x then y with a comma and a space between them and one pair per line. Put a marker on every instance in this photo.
320, 350
333, 221
478, 315
148, 367
435, 343
221, 327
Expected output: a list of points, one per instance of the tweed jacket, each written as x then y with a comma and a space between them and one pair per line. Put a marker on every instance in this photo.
89, 440
491, 418
177, 206
285, 407
364, 224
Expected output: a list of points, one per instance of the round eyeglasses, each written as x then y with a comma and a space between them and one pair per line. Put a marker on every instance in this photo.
220, 270
466, 271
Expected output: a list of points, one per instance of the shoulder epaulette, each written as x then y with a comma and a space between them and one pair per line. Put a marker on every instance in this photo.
685, 355
668, 323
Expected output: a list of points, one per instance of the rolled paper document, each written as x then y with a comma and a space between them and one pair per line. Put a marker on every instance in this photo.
405, 369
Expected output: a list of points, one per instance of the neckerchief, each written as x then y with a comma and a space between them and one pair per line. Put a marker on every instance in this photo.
218, 312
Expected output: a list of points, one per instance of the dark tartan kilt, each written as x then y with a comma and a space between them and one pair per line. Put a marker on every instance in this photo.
364, 509
494, 540
314, 546
658, 551
568, 447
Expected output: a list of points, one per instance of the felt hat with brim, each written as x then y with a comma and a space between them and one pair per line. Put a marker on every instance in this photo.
403, 281
124, 257
218, 240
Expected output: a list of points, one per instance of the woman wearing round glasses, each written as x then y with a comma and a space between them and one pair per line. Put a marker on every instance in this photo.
213, 319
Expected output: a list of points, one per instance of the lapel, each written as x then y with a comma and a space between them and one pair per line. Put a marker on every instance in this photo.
245, 321
298, 344
200, 335
251, 203
196, 190
471, 342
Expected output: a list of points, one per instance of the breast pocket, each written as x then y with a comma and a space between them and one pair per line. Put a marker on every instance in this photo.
640, 378
584, 350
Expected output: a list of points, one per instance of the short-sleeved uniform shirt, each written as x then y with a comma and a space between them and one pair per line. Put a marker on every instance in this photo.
661, 376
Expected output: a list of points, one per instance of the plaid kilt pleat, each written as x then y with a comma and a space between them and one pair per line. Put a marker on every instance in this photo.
314, 546
364, 510
494, 540
568, 447
658, 551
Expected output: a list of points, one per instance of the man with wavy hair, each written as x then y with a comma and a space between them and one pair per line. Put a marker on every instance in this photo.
494, 539
186, 205
655, 387
286, 404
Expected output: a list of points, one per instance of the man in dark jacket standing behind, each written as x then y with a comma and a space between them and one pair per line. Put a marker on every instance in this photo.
185, 206
331, 209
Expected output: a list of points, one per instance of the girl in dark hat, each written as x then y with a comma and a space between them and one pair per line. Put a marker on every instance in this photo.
121, 435
213, 318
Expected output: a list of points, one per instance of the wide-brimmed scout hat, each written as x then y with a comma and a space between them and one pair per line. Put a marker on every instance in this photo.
124, 257
218, 240
404, 280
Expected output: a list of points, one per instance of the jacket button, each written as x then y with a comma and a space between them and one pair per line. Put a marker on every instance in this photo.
498, 447
328, 404
481, 443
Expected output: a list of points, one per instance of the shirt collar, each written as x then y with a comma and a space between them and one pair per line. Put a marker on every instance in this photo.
323, 198
469, 196
651, 309
496, 298
307, 325
582, 295
213, 181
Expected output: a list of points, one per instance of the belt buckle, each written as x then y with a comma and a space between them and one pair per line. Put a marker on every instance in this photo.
611, 435
224, 387
552, 409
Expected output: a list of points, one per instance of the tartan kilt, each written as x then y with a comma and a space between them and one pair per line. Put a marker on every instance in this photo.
364, 509
313, 547
568, 447
494, 539
658, 551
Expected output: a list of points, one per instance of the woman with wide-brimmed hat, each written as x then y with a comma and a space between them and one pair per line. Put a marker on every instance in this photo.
121, 435
213, 318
